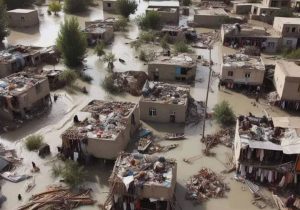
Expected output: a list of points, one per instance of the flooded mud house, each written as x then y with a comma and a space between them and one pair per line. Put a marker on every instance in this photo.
167, 10
110, 6
143, 182
267, 150
239, 35
21, 18
173, 68
287, 85
212, 18
164, 103
99, 31
21, 94
242, 70
103, 130
289, 30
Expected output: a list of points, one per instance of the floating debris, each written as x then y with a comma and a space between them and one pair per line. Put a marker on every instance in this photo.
59, 198
205, 185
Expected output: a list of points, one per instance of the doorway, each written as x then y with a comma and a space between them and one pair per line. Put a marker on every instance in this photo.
172, 117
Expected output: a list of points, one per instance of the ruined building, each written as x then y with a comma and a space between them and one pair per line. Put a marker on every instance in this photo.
142, 181
267, 150
21, 94
173, 68
102, 129
164, 103
241, 69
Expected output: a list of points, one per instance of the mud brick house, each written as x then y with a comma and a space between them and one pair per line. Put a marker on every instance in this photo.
241, 69
164, 103
103, 130
21, 18
173, 68
167, 10
142, 180
21, 94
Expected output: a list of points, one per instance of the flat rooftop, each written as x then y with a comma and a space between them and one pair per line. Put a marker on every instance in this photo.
101, 120
159, 92
163, 4
290, 68
147, 169
18, 83
248, 30
97, 28
16, 52
287, 20
211, 12
243, 61
21, 11
183, 60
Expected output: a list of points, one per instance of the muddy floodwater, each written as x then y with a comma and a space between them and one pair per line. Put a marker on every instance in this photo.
60, 116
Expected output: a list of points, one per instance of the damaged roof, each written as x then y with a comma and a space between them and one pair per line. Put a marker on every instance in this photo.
243, 61
165, 93
101, 120
183, 60
18, 83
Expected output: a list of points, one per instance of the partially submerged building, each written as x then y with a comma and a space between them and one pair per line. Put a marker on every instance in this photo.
143, 180
173, 68
267, 150
102, 129
164, 103
99, 31
241, 69
23, 18
110, 6
167, 10
239, 35
21, 94
289, 30
287, 85
175, 33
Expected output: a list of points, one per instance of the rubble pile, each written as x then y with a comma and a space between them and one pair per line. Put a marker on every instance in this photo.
195, 111
242, 60
157, 148
159, 91
206, 39
205, 185
59, 198
250, 50
130, 81
224, 136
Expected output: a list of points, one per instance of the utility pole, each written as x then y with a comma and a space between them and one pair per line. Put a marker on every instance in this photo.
208, 84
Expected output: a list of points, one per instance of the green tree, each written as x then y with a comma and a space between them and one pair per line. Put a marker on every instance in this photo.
14, 4
181, 47
109, 59
151, 20
3, 21
126, 7
74, 6
71, 42
55, 7
121, 24
68, 77
224, 114
99, 49
186, 2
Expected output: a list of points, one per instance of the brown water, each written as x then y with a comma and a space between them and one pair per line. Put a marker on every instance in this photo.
59, 118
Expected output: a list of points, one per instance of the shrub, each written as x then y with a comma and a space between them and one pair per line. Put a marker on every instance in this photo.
109, 59
99, 49
71, 42
224, 114
186, 2
72, 173
68, 77
142, 56
108, 85
55, 7
291, 54
151, 20
147, 37
74, 6
136, 44
121, 24
34, 142
181, 47
126, 7
164, 42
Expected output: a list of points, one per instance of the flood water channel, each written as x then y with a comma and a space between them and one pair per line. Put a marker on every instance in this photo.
60, 116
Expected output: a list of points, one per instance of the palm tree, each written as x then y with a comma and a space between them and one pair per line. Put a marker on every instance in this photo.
109, 59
